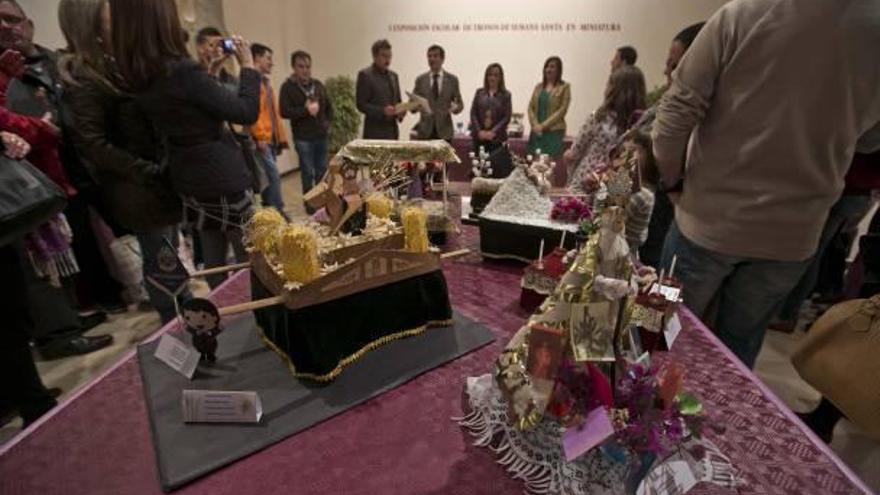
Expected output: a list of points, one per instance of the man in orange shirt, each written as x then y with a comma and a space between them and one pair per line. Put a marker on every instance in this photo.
268, 132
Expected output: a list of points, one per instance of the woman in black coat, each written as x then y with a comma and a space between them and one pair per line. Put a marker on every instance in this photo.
191, 111
117, 142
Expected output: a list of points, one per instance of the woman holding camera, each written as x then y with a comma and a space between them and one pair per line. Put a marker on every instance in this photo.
191, 111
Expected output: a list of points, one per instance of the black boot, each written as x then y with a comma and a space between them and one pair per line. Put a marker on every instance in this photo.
823, 419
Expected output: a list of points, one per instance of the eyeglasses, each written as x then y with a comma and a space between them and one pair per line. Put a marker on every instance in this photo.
11, 20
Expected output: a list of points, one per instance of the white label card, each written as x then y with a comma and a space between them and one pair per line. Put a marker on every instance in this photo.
177, 355
673, 328
669, 292
217, 406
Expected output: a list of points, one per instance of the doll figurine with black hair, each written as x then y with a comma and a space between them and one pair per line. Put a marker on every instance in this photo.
203, 323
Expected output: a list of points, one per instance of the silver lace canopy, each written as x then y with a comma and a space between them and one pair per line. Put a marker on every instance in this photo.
367, 151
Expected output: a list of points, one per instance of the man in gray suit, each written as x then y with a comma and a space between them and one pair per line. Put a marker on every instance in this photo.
440, 88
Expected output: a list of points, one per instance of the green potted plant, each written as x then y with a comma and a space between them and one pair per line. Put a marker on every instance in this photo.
346, 118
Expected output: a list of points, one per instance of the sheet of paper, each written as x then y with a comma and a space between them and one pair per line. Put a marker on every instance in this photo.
596, 428
669, 478
217, 406
177, 355
673, 328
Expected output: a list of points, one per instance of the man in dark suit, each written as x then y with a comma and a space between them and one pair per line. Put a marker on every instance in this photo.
378, 93
440, 88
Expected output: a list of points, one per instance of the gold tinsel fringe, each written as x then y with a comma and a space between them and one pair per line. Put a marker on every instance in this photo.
343, 363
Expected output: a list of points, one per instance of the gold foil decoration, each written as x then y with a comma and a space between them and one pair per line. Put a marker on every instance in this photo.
415, 229
379, 205
264, 229
298, 254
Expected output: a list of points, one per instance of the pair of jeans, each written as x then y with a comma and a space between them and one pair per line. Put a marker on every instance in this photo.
312, 162
843, 220
215, 245
272, 194
749, 291
220, 222
151, 243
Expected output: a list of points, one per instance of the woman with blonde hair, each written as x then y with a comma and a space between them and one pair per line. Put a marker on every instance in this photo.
600, 135
116, 140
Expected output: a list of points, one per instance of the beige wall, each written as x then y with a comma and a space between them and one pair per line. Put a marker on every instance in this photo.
338, 33
45, 16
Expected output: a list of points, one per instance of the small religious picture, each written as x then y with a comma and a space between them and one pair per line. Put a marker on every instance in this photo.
202, 321
545, 352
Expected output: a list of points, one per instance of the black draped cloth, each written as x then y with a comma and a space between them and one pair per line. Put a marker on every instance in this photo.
320, 340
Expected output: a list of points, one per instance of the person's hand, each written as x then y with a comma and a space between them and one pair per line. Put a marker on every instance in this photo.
12, 63
262, 147
568, 156
47, 120
243, 52
313, 107
389, 111
14, 146
455, 106
538, 129
218, 59
591, 182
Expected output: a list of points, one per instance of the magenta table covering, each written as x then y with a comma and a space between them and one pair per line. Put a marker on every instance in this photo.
403, 442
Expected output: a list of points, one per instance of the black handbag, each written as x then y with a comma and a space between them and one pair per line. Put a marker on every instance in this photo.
252, 159
27, 199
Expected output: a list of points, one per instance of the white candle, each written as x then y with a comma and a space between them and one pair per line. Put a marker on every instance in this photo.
672, 268
562, 241
541, 255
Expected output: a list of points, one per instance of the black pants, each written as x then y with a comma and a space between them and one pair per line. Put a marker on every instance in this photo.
94, 284
21, 385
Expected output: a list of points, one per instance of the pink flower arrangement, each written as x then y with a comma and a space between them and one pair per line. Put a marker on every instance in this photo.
571, 209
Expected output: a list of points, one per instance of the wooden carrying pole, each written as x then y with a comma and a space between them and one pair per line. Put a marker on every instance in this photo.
251, 305
274, 300
220, 269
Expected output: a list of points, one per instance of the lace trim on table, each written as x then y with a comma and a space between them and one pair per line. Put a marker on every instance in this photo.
538, 282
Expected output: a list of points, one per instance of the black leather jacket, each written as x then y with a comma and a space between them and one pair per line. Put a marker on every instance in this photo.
117, 143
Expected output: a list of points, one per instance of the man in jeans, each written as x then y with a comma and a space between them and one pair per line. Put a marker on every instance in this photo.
304, 101
267, 131
768, 104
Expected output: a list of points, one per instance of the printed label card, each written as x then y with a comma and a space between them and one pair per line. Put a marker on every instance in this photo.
177, 355
217, 406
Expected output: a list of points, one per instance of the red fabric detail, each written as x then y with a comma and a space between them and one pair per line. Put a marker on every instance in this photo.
863, 175
601, 386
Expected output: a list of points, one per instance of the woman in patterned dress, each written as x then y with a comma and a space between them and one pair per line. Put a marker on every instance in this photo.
624, 99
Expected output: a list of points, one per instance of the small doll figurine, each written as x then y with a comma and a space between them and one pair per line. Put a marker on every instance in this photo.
203, 323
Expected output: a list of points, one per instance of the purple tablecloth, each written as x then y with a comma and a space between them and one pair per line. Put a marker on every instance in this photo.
98, 441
